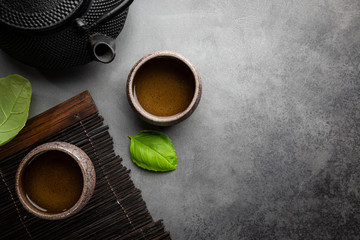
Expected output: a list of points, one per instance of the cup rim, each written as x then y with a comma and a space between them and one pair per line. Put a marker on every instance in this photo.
164, 120
79, 156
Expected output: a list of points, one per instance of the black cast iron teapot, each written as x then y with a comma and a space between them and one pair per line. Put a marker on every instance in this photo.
57, 34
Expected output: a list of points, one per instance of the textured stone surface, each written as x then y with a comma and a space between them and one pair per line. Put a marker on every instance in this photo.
273, 150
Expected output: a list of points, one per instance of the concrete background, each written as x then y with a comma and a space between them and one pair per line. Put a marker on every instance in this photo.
272, 151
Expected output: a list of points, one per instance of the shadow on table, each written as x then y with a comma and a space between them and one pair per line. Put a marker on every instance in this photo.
69, 74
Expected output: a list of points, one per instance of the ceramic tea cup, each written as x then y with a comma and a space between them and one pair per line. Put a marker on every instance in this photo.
55, 180
164, 88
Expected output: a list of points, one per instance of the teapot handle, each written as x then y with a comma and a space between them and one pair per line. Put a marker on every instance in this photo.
107, 16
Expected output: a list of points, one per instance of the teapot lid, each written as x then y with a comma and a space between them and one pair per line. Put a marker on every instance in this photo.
37, 14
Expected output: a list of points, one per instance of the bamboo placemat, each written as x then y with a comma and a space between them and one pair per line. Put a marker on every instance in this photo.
116, 209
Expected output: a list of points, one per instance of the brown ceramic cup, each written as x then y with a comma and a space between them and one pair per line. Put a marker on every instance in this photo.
163, 120
87, 170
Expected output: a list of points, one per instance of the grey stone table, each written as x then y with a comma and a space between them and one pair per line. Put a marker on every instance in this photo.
273, 150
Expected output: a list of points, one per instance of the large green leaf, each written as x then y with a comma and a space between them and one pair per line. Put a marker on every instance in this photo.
153, 150
15, 96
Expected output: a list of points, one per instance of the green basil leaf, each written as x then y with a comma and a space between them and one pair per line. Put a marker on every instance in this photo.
153, 150
15, 96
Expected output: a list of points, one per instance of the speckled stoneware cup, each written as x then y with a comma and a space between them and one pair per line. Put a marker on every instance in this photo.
168, 120
87, 169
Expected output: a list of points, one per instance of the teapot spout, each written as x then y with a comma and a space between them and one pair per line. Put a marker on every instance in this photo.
103, 48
